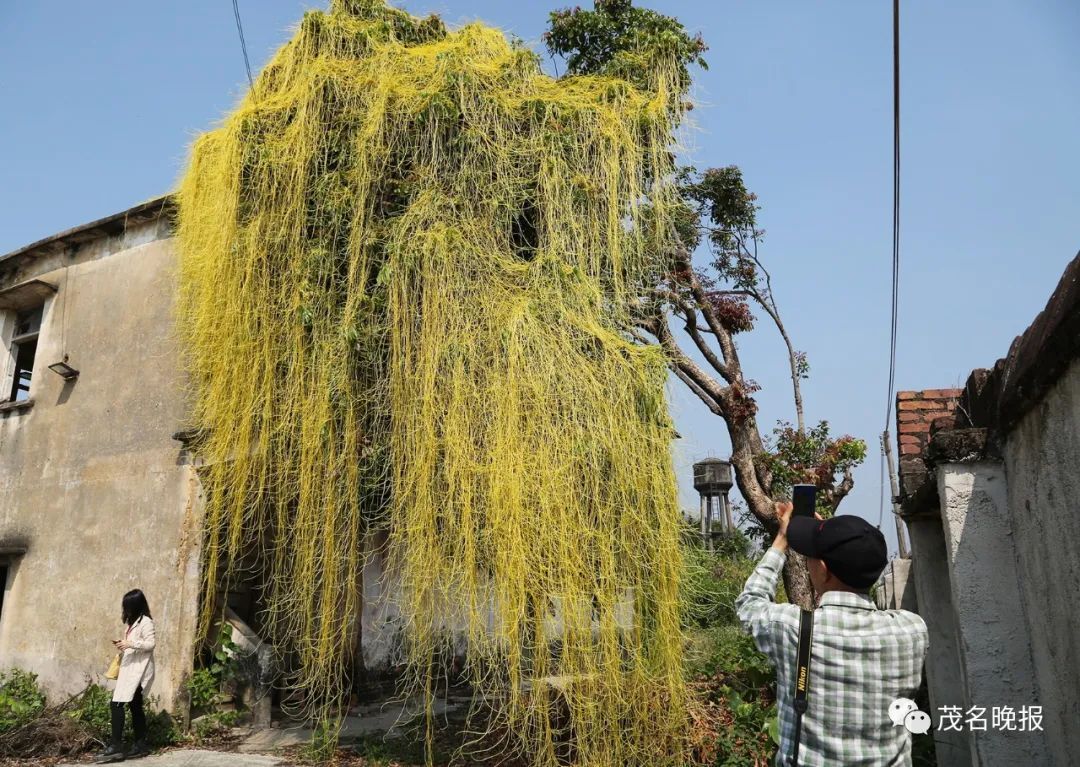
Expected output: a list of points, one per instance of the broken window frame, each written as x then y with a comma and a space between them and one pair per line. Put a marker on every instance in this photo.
22, 353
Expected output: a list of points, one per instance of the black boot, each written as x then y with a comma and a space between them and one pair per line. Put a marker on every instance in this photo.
111, 754
138, 748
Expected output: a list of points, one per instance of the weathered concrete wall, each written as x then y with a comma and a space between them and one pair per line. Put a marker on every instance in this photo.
995, 654
930, 573
1042, 458
1011, 559
90, 476
896, 588
382, 622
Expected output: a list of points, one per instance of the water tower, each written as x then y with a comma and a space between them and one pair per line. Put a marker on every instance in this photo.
712, 479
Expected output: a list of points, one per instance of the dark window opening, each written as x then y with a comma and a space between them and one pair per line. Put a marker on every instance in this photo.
24, 350
3, 586
525, 231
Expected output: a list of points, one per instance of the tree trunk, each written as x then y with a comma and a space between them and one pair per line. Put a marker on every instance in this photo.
797, 581
796, 576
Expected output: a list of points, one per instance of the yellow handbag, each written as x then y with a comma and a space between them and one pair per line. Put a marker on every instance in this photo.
114, 668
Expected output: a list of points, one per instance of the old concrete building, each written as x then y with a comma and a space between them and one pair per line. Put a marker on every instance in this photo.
98, 491
95, 494
990, 477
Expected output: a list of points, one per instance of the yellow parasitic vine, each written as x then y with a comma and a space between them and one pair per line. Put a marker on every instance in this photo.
407, 259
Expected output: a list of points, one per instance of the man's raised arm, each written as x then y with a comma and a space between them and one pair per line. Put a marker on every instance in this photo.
756, 606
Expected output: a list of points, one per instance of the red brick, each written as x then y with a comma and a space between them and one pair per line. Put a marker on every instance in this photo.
920, 405
942, 393
910, 439
902, 395
905, 417
910, 450
912, 428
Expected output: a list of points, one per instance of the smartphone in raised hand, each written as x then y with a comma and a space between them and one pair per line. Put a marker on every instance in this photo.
804, 499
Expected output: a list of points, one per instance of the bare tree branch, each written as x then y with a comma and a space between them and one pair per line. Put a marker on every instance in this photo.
767, 301
840, 492
686, 366
713, 405
692, 329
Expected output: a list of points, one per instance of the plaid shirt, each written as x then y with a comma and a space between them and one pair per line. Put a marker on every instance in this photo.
861, 661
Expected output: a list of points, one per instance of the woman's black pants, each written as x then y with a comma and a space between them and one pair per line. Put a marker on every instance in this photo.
138, 719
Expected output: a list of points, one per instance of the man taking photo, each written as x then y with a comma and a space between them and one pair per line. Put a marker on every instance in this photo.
861, 659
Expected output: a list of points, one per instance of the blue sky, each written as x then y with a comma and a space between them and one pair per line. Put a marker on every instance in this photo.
101, 101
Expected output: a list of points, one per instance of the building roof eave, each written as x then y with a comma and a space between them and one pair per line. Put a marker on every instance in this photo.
110, 225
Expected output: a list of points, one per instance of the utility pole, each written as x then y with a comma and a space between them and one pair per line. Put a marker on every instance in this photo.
886, 445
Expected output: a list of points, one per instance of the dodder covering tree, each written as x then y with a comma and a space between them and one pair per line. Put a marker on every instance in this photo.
712, 305
408, 263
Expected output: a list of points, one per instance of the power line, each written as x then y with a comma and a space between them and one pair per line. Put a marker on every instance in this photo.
243, 43
896, 207
895, 245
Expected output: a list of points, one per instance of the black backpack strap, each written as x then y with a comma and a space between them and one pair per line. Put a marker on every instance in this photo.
802, 679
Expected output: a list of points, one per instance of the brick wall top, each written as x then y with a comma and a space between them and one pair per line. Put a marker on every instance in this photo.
917, 410
916, 413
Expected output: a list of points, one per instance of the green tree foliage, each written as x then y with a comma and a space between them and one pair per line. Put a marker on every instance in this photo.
621, 40
812, 456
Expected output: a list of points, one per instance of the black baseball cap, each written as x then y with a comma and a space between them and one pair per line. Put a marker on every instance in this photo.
852, 548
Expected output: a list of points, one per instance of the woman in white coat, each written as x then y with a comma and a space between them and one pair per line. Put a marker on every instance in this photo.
136, 676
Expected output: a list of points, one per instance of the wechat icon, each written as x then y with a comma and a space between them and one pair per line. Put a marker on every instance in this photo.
905, 712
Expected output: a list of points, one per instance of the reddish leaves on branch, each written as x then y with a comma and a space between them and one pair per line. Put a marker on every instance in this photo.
733, 312
742, 404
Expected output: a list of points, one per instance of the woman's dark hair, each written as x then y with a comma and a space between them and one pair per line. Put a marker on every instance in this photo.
135, 606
